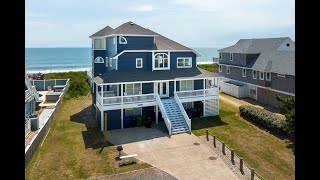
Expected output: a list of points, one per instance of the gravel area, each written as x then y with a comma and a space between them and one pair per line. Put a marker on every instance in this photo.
142, 174
235, 167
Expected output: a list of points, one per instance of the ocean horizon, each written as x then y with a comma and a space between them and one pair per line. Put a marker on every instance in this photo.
63, 59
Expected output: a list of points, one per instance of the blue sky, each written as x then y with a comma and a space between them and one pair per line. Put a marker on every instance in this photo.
194, 23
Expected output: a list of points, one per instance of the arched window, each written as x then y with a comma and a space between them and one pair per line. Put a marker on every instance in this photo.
122, 40
99, 60
161, 61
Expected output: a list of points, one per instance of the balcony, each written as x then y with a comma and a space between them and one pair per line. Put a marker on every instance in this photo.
198, 93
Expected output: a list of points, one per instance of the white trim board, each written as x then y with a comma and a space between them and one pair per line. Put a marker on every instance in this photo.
155, 51
142, 35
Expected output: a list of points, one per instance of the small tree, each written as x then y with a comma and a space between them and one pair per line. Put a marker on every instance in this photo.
288, 110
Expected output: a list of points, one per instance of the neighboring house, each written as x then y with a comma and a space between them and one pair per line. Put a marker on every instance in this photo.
31, 96
259, 69
141, 72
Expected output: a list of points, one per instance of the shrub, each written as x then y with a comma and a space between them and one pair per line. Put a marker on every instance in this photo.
264, 118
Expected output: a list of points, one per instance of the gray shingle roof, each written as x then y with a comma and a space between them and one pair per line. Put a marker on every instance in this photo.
115, 76
103, 32
282, 62
254, 46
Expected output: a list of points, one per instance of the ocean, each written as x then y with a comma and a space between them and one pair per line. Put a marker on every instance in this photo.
46, 60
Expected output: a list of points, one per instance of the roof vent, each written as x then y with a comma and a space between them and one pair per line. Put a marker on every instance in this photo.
131, 23
288, 44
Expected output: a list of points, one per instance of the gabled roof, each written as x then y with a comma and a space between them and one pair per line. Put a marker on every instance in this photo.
255, 46
103, 32
115, 76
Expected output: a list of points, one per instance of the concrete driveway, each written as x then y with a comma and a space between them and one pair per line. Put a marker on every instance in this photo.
184, 156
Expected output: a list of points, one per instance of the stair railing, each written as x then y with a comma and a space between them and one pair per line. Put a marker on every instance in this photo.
164, 113
184, 113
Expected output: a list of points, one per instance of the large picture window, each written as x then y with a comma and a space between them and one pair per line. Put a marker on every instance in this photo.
133, 89
132, 112
99, 44
186, 85
161, 61
184, 62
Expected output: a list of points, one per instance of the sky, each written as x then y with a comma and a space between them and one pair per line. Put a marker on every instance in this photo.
194, 23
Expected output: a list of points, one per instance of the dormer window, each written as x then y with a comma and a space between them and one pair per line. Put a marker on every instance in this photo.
161, 61
122, 40
99, 60
99, 44
231, 56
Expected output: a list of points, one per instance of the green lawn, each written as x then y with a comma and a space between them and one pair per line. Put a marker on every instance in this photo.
73, 147
209, 67
270, 156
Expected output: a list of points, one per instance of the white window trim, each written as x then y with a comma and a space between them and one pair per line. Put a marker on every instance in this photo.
137, 59
228, 68
114, 39
267, 76
110, 62
253, 74
231, 56
261, 77
104, 47
154, 65
281, 75
220, 56
122, 38
98, 62
184, 58
220, 68
186, 84
245, 72
107, 62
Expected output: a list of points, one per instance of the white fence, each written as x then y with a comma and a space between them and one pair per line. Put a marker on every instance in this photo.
234, 90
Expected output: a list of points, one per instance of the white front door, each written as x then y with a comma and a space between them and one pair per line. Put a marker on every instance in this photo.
163, 89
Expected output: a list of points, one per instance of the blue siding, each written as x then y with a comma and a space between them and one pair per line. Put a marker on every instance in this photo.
147, 88
198, 84
99, 67
171, 88
110, 47
114, 119
135, 42
175, 55
128, 60
178, 85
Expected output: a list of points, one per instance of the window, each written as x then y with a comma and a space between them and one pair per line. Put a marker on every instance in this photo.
254, 74
110, 62
138, 62
231, 56
220, 56
107, 62
220, 68
268, 76
187, 105
244, 72
132, 112
228, 69
122, 40
261, 75
133, 89
99, 44
161, 61
98, 60
281, 75
186, 85
184, 62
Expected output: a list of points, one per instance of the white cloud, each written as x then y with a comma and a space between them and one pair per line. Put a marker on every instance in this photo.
30, 14
145, 8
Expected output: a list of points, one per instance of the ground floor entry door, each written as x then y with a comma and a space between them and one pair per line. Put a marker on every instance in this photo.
163, 89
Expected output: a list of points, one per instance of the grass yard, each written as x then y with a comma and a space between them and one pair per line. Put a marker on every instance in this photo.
209, 67
73, 148
271, 157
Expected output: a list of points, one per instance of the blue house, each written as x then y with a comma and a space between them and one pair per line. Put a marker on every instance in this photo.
138, 72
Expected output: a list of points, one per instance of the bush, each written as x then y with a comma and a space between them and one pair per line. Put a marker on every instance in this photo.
264, 118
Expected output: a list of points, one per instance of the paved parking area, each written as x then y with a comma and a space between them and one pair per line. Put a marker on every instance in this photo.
184, 156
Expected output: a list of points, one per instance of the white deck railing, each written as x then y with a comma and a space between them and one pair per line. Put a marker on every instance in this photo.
164, 114
197, 93
186, 117
119, 100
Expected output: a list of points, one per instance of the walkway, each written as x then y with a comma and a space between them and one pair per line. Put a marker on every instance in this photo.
184, 156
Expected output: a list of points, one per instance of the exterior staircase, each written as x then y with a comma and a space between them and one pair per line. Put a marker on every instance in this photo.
174, 114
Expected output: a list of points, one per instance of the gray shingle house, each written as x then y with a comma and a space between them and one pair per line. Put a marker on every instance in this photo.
259, 69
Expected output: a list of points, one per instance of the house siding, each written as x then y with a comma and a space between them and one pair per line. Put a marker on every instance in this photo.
147, 88
110, 47
268, 97
149, 112
198, 84
286, 84
171, 88
99, 67
128, 60
175, 55
135, 42
238, 59
114, 119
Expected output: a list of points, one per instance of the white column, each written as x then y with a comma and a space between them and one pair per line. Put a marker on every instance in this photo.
204, 108
102, 121
204, 87
102, 95
121, 118
121, 93
157, 114
175, 84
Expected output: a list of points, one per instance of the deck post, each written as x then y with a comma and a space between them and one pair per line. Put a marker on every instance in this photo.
175, 86
121, 93
157, 114
102, 94
252, 174
241, 164
207, 134
121, 118
102, 121
214, 141
232, 156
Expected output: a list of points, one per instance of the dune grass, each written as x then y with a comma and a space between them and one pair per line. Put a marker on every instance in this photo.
74, 147
271, 157
209, 67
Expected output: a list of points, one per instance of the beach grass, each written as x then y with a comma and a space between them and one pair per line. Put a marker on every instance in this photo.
209, 67
271, 157
74, 147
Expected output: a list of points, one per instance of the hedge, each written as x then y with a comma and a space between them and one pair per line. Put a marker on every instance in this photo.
264, 118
